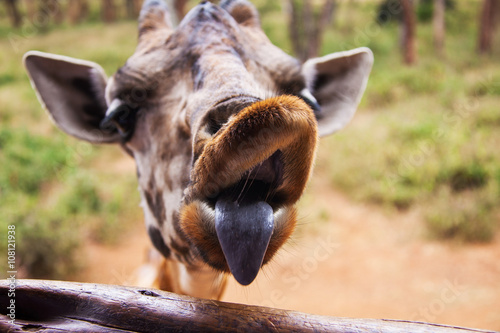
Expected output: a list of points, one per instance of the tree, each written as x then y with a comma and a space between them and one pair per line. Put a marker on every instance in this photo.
30, 9
130, 8
408, 30
47, 10
108, 11
180, 8
78, 11
307, 25
133, 8
13, 12
487, 22
439, 25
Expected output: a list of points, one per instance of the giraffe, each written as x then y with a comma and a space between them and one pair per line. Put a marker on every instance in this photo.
223, 127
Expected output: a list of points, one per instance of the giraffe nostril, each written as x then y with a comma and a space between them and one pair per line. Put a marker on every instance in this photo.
221, 111
214, 125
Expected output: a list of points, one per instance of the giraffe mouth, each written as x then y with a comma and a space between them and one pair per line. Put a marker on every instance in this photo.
259, 183
244, 218
239, 206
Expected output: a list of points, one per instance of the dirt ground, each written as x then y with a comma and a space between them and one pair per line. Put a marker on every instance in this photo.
363, 262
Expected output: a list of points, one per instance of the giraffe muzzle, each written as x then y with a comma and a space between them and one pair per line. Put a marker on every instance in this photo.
242, 148
238, 210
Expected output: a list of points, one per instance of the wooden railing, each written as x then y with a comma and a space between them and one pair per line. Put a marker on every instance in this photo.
57, 306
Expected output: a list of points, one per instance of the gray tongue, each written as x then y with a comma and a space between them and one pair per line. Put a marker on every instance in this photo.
244, 231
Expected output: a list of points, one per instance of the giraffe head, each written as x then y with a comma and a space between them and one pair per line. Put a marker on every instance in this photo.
223, 127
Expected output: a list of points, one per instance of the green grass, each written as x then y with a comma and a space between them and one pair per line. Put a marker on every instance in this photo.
55, 203
425, 137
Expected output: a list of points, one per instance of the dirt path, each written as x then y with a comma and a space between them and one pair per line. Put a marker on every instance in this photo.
359, 263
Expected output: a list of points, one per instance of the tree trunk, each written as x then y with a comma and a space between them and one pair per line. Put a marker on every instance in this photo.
306, 27
439, 26
133, 7
77, 11
130, 9
137, 7
73, 11
108, 11
180, 8
487, 25
54, 10
309, 35
30, 9
325, 19
408, 29
42, 18
294, 27
13, 12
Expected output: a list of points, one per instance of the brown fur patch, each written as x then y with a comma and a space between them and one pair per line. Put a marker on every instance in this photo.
154, 200
176, 222
158, 242
201, 233
165, 278
168, 279
182, 253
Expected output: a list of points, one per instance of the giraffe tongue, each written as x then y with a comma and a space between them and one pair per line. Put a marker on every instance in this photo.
244, 230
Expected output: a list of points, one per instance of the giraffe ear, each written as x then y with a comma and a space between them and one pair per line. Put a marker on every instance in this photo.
72, 91
337, 81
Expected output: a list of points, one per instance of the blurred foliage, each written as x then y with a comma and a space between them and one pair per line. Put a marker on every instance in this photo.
425, 137
49, 186
390, 11
28, 160
55, 204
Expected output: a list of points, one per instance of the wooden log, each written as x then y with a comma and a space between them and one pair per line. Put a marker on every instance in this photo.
83, 307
